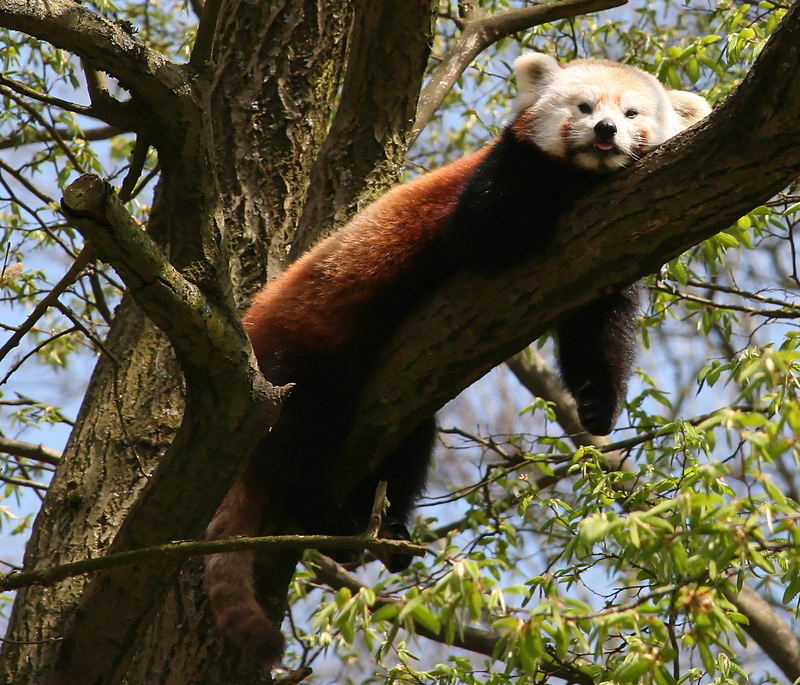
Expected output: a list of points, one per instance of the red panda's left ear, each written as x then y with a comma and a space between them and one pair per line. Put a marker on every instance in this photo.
534, 72
690, 107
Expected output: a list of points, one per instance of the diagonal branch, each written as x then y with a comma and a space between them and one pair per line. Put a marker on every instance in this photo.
175, 305
480, 33
29, 450
49, 300
184, 548
64, 134
770, 631
696, 185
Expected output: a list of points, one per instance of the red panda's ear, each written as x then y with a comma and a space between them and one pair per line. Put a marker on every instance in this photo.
534, 72
690, 107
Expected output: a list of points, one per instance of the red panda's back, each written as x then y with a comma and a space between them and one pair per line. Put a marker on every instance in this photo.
316, 303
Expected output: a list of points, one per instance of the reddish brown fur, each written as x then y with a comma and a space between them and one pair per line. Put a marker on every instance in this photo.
229, 578
311, 305
314, 306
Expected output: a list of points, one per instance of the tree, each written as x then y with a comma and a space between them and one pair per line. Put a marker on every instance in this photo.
267, 128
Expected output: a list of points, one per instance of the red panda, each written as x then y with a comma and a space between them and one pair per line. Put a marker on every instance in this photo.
320, 324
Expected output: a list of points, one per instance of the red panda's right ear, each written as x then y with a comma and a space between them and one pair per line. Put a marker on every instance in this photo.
534, 72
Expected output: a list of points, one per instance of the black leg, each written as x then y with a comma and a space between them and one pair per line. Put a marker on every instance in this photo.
405, 471
597, 348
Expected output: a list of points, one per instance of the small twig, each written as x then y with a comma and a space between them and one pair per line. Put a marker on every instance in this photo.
99, 297
22, 482
740, 293
82, 328
26, 183
379, 505
15, 367
149, 176
98, 133
138, 159
480, 33
768, 313
27, 91
45, 124
49, 300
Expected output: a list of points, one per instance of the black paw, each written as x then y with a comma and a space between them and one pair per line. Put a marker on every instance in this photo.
392, 529
597, 409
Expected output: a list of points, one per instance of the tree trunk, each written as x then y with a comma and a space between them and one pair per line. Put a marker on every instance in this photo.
242, 167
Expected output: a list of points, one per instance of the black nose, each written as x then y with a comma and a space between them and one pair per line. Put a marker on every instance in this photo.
605, 129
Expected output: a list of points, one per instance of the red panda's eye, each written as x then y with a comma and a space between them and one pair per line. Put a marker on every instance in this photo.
631, 113
586, 109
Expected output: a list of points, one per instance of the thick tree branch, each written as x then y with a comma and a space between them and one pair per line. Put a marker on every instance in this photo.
206, 32
229, 405
770, 631
175, 305
478, 34
107, 45
696, 185
367, 143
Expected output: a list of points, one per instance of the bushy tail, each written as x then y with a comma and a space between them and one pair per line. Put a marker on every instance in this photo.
230, 583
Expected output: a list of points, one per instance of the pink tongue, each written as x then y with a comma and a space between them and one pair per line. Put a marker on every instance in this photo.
604, 146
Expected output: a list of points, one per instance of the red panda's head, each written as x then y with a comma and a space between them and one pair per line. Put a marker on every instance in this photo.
595, 114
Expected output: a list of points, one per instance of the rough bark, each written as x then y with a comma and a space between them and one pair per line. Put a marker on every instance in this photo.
256, 154
106, 465
236, 148
366, 147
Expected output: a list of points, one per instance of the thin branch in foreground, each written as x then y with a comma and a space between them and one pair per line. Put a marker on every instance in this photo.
138, 159
184, 548
792, 311
35, 350
27, 91
45, 124
758, 297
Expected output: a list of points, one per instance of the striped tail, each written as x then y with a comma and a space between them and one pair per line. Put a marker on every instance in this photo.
230, 583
